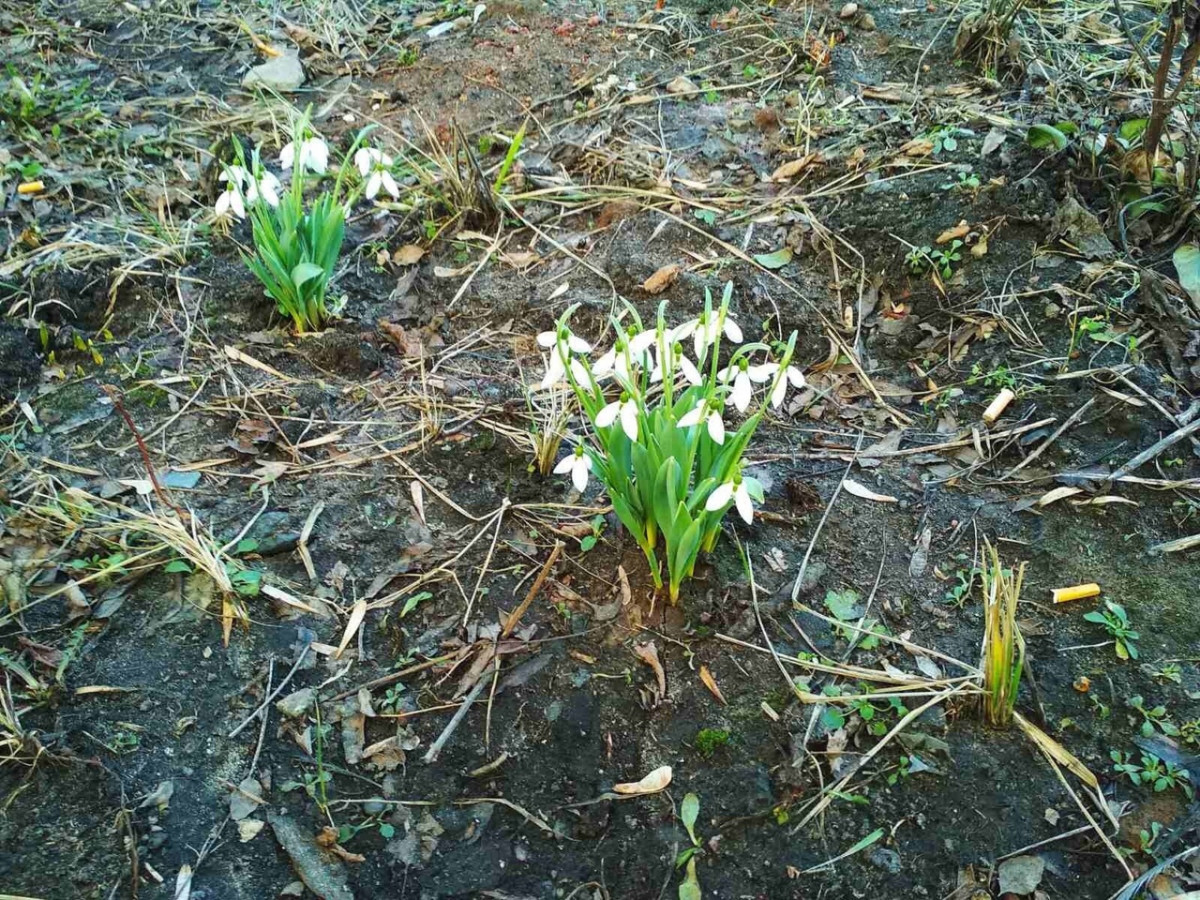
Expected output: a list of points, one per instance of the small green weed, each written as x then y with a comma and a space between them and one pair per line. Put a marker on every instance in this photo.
1116, 622
1151, 770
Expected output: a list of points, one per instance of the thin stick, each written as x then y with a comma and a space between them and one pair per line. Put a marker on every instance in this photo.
515, 616
275, 693
1150, 452
487, 559
262, 732
828, 509
385, 680
435, 749
1045, 445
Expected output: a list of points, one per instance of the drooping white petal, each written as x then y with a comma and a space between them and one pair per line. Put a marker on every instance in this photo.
223, 201
796, 377
389, 184
579, 472
269, 187
763, 373
547, 339
716, 427
682, 332
581, 375
287, 156
689, 370
605, 363
565, 464
554, 372
719, 497
608, 415
742, 392
693, 417
236, 204
629, 419
741, 499
578, 344
732, 331
363, 160
316, 155
777, 395
374, 182
640, 343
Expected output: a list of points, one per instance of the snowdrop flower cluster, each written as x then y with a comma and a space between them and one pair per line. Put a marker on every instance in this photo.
244, 188
298, 231
657, 402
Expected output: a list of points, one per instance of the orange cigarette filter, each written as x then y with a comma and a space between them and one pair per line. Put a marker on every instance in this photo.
1079, 592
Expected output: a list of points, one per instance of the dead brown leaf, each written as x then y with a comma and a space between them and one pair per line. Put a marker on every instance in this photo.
648, 654
958, 232
662, 279
711, 683
408, 255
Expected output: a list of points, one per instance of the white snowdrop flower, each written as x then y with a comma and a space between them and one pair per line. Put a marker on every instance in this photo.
710, 416
737, 489
575, 343
626, 410
579, 464
708, 328
313, 155
265, 187
791, 375
682, 364
375, 167
230, 201
234, 175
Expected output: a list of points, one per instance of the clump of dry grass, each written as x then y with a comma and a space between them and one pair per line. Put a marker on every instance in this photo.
984, 38
1003, 645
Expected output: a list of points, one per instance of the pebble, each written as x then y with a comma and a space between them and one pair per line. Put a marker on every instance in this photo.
849, 11
283, 73
883, 858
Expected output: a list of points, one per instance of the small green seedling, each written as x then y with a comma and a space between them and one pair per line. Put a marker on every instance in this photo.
903, 770
1152, 771
964, 581
1116, 622
689, 811
918, 259
945, 260
1155, 717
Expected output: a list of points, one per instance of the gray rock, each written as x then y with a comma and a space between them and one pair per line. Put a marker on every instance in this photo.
883, 858
1021, 874
283, 73
297, 703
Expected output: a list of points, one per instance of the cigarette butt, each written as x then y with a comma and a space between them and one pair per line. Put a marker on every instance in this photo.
769, 711
998, 406
1079, 592
31, 187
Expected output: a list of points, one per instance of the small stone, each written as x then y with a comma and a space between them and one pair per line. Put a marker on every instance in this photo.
294, 889
883, 858
866, 22
283, 73
849, 11
682, 85
373, 807
297, 703
1052, 311
1021, 874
